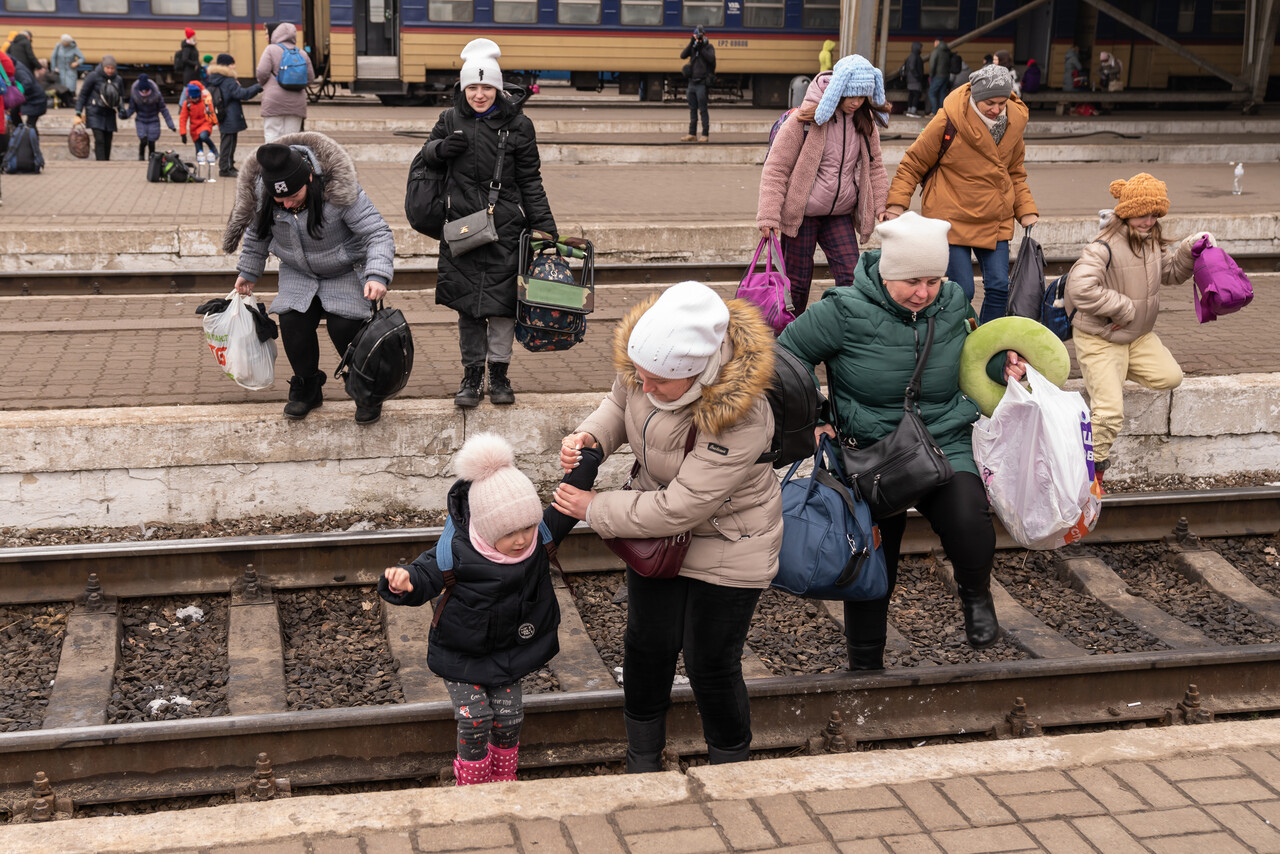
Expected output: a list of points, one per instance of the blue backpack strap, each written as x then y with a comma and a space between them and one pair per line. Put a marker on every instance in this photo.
544, 534
444, 560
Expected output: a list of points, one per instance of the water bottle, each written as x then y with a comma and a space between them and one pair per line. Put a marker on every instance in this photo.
1236, 184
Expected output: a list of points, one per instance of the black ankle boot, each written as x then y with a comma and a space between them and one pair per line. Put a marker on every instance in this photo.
304, 395
142, 151
980, 624
645, 740
469, 393
866, 656
500, 391
725, 755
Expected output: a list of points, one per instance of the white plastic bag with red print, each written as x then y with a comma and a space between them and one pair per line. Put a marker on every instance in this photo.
1035, 456
232, 336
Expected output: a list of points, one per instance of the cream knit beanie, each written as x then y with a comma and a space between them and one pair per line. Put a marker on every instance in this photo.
676, 337
913, 246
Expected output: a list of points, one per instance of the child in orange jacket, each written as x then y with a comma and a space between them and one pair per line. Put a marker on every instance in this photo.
198, 116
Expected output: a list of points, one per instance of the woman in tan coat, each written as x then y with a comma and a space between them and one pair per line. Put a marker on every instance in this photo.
969, 161
1114, 291
688, 363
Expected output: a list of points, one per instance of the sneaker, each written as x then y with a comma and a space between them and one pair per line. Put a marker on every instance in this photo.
688, 137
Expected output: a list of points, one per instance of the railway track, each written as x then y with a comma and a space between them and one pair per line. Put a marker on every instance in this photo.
1053, 683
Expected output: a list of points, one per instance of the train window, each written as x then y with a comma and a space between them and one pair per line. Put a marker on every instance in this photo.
1186, 15
266, 10
939, 15
825, 15
986, 12
238, 8
1228, 17
641, 13
175, 7
31, 6
451, 10
515, 11
707, 13
103, 7
762, 13
578, 12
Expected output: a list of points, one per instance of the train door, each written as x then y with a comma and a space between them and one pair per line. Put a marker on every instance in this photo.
377, 39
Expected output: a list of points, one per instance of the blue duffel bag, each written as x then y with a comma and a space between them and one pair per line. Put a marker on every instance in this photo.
830, 546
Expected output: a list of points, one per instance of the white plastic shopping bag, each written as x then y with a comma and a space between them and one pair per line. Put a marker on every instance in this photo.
233, 338
1035, 455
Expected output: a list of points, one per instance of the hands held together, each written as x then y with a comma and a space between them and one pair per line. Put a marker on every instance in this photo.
570, 500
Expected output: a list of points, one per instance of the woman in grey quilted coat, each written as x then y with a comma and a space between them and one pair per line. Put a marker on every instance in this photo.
298, 199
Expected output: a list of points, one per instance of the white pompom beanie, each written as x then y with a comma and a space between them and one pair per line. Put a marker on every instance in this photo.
501, 498
912, 247
480, 64
678, 335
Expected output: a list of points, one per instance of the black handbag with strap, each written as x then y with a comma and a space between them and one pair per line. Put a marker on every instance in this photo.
894, 473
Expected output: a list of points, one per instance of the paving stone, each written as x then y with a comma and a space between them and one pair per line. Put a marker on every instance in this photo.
1107, 835
700, 840
742, 826
1256, 832
789, 820
451, 837
929, 807
1148, 785
1214, 843
863, 846
344, 846
1269, 810
661, 818
869, 823
1263, 765
975, 802
1028, 783
1106, 790
291, 847
917, 843
1199, 768
1058, 837
1226, 791
1052, 805
812, 848
873, 798
383, 843
593, 833
985, 840
544, 836
1169, 822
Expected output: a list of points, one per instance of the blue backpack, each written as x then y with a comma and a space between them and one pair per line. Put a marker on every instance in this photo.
24, 151
292, 74
1053, 312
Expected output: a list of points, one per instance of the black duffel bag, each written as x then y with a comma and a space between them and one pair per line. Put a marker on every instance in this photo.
424, 196
379, 359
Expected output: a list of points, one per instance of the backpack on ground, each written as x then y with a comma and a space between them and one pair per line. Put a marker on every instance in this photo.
166, 167
797, 407
292, 73
219, 102
379, 359
551, 307
24, 151
1053, 307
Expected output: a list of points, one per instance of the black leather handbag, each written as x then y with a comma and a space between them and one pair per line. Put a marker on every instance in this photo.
895, 472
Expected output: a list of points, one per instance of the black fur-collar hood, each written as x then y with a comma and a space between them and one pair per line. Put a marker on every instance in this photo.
327, 157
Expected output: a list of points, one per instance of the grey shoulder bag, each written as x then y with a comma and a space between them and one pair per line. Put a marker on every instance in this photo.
478, 228
900, 469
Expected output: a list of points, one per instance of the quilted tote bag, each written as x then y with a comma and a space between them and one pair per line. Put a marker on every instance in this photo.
1221, 286
770, 290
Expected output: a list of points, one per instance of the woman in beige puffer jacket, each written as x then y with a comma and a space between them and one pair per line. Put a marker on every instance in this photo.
688, 361
1114, 291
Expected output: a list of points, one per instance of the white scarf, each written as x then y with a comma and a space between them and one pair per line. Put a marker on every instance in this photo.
709, 373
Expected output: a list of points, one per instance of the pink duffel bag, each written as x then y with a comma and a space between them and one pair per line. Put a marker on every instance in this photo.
1221, 286
770, 290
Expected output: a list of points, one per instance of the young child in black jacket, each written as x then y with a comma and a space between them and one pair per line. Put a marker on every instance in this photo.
497, 618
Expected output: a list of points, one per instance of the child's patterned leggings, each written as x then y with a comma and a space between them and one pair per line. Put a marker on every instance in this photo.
204, 139
485, 713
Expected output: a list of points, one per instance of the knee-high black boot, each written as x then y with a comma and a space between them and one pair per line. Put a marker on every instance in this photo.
645, 740
725, 755
981, 627
142, 149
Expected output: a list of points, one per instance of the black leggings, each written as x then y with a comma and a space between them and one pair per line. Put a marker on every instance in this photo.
102, 144
709, 623
302, 345
961, 517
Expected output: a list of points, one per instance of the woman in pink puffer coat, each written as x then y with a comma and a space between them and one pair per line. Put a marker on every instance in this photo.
824, 182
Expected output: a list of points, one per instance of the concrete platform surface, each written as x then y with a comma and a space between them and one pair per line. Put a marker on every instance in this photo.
1209, 788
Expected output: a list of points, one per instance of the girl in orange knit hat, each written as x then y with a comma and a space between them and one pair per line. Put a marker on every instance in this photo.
1114, 291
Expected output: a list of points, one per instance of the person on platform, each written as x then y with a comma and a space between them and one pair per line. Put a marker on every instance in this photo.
1031, 77
939, 74
868, 337
480, 286
1114, 291
298, 199
1004, 59
37, 101
283, 110
913, 75
496, 620
22, 51
1074, 76
826, 56
65, 62
1110, 72
100, 98
197, 119
146, 106
689, 399
823, 182
701, 66
222, 77
186, 62
979, 184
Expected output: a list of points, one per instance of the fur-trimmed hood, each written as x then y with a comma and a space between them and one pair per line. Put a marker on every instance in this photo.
327, 157
747, 354
224, 70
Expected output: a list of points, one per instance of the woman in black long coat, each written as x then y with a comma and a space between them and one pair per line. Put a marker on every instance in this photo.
481, 285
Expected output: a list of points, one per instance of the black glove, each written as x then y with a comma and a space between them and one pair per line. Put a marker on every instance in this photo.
451, 146
184, 139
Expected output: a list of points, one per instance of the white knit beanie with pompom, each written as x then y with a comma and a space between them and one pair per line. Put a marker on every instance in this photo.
502, 499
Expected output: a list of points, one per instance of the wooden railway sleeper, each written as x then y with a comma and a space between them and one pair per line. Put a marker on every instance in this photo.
1188, 710
1182, 539
832, 738
44, 804
1017, 723
264, 785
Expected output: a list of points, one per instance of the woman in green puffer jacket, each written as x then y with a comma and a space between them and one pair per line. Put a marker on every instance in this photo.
868, 336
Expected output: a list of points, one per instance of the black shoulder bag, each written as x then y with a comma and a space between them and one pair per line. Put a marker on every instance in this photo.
897, 471
478, 229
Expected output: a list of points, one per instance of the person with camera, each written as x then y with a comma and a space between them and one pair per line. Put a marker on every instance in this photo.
699, 69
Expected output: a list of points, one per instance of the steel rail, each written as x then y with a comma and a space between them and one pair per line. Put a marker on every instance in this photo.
291, 561
97, 764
